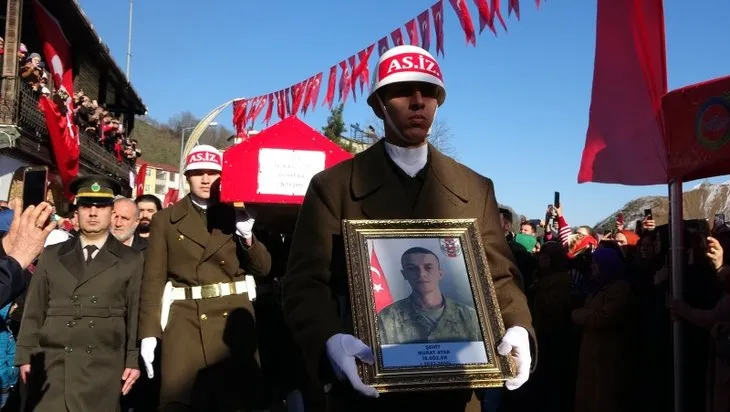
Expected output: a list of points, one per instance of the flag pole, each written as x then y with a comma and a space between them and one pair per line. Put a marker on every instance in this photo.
129, 38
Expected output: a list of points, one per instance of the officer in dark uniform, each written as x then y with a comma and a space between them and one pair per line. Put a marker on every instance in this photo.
77, 346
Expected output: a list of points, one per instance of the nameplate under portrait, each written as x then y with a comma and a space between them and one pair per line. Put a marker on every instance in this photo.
422, 297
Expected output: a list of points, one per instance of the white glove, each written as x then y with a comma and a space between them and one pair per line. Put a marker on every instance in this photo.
147, 350
342, 350
244, 224
516, 343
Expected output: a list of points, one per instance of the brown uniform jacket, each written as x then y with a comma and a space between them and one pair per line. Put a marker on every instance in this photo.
367, 187
79, 327
200, 335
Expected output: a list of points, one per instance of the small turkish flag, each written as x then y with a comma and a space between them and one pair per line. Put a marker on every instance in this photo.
139, 181
381, 292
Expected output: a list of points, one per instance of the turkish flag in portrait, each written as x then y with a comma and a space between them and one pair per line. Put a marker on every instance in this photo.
381, 292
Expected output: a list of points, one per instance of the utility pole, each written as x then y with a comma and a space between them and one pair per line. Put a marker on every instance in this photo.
129, 38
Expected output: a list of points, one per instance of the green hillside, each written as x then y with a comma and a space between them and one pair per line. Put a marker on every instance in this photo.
157, 144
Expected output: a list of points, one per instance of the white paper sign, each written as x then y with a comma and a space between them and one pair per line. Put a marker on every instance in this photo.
287, 172
434, 354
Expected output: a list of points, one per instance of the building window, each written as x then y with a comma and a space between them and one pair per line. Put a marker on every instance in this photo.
148, 172
147, 188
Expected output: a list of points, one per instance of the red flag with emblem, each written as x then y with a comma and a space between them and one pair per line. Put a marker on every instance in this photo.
239, 117
437, 11
397, 37
62, 130
383, 46
258, 107
425, 25
381, 291
329, 98
514, 5
296, 97
315, 90
412, 30
362, 72
139, 180
270, 109
280, 107
307, 94
170, 197
465, 20
486, 18
352, 76
344, 81
498, 13
287, 101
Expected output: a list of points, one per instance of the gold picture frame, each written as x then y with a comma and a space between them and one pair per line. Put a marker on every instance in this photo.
453, 355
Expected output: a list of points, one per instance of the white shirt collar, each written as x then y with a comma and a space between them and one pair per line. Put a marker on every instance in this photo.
409, 159
99, 243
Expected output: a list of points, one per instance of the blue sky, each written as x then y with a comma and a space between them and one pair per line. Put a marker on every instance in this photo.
517, 105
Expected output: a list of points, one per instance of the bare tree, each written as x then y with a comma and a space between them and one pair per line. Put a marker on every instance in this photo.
441, 136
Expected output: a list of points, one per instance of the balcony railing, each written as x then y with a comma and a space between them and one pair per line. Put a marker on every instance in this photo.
94, 157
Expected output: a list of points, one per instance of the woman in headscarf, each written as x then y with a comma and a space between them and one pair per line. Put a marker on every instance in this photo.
603, 383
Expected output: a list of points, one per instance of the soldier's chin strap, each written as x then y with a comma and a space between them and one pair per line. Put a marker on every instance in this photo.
389, 121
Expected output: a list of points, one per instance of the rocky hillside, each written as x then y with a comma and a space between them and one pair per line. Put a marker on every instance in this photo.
701, 201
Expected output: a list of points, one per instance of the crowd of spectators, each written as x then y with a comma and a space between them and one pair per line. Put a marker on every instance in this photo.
92, 118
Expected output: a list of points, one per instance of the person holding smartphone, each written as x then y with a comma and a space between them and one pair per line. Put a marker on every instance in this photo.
21, 245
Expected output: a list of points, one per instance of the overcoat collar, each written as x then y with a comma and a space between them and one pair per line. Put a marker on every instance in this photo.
375, 183
72, 258
221, 225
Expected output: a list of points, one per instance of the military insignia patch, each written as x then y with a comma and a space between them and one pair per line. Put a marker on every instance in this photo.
95, 187
451, 246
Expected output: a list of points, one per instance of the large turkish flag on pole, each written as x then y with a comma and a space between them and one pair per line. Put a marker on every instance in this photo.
62, 131
625, 138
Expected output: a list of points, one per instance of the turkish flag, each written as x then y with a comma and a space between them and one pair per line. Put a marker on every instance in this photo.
397, 37
382, 46
514, 5
465, 20
239, 116
425, 25
344, 81
437, 11
381, 291
280, 108
486, 18
329, 98
496, 11
270, 109
412, 30
625, 123
62, 130
139, 180
170, 197
315, 90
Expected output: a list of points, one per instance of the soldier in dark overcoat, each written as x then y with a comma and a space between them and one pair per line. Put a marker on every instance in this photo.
77, 346
196, 297
400, 177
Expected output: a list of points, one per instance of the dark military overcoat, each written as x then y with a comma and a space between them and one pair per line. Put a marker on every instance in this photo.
206, 342
316, 301
79, 327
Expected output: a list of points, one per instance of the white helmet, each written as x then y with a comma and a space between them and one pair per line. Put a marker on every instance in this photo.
204, 157
406, 63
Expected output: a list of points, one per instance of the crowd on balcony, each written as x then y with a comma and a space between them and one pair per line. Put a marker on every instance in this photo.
91, 118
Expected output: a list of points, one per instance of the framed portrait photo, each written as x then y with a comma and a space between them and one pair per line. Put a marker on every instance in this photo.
422, 297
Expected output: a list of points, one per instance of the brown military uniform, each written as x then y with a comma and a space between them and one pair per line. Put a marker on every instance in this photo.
79, 328
370, 186
207, 343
